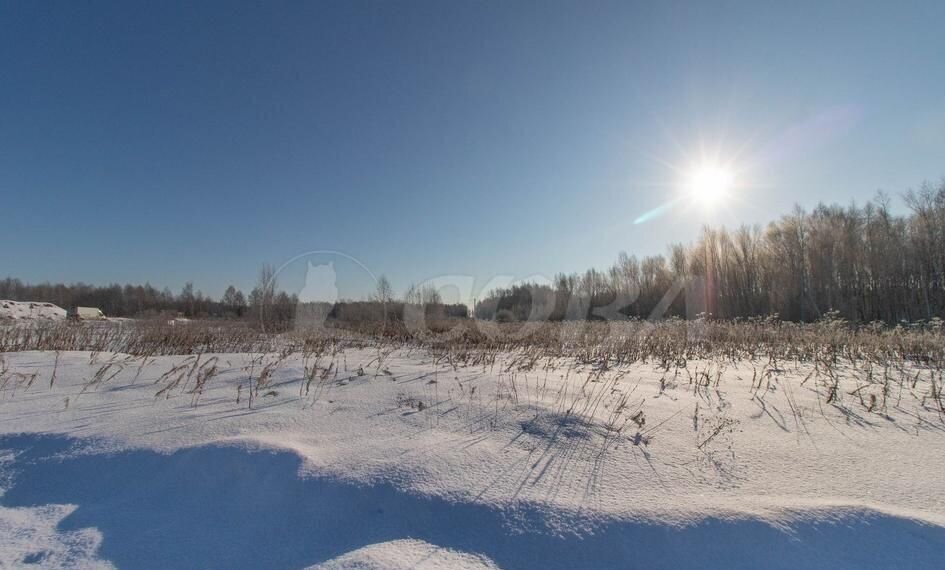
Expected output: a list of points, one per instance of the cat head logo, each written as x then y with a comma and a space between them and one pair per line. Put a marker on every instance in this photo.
320, 284
318, 297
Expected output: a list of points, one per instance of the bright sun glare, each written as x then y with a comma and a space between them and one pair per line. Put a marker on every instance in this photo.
709, 183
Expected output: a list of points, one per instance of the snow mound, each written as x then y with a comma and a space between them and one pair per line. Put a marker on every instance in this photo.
28, 310
405, 555
30, 536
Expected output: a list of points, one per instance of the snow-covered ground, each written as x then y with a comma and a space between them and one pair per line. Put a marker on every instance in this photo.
30, 311
402, 460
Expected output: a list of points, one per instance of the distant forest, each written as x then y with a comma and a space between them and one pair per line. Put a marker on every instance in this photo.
129, 300
861, 263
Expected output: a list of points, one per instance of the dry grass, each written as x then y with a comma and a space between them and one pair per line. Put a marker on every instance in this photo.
884, 364
591, 404
472, 343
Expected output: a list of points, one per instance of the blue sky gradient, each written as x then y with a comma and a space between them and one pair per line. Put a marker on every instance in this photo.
166, 142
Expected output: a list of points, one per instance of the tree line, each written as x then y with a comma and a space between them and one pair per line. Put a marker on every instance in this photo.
265, 303
128, 300
861, 263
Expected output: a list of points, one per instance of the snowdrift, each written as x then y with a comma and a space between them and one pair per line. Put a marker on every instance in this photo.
30, 311
364, 459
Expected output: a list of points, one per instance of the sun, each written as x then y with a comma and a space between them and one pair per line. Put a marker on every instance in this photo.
710, 183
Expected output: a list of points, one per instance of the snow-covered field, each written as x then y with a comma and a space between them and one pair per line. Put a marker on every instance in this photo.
396, 459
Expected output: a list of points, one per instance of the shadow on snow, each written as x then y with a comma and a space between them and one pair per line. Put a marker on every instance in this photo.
227, 507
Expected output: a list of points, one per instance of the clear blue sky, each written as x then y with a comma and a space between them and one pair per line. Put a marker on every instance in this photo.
166, 142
